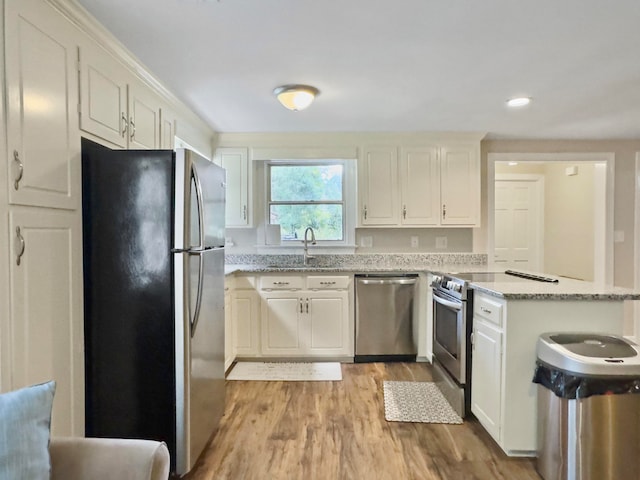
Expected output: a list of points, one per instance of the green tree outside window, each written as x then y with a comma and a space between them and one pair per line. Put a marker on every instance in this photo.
309, 195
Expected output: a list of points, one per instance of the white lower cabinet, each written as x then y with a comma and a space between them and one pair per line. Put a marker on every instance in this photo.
306, 316
486, 377
305, 323
282, 314
229, 352
328, 323
246, 323
505, 332
46, 321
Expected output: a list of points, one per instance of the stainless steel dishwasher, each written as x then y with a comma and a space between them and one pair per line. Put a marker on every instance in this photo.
384, 317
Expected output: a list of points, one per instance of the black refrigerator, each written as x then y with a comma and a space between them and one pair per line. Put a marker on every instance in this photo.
153, 239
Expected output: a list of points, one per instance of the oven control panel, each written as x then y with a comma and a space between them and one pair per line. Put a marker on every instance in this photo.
450, 285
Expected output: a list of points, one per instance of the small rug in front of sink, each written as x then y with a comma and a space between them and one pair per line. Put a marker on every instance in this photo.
420, 402
286, 371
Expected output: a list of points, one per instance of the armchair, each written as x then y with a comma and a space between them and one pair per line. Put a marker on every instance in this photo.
108, 459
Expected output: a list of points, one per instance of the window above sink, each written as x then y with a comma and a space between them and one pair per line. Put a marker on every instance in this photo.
317, 193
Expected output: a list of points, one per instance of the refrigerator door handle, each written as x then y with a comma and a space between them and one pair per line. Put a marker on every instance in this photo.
196, 312
199, 199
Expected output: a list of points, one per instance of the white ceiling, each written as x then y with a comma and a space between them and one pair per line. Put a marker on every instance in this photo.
395, 65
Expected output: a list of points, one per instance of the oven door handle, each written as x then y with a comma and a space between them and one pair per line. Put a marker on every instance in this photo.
447, 303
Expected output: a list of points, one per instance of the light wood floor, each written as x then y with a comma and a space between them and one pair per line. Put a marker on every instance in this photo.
337, 430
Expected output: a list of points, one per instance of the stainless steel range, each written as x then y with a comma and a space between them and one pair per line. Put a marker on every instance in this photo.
452, 324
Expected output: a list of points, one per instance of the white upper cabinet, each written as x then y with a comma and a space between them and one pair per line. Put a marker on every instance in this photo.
167, 128
460, 185
144, 117
44, 154
115, 106
378, 173
419, 186
428, 186
235, 162
103, 95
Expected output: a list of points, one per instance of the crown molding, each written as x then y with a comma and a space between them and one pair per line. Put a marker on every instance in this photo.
88, 24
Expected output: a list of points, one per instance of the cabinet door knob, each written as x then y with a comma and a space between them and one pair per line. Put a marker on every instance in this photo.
300, 305
20, 251
307, 304
16, 159
244, 212
404, 211
444, 211
365, 212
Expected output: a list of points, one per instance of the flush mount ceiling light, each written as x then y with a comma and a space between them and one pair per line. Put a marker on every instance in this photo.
296, 97
518, 101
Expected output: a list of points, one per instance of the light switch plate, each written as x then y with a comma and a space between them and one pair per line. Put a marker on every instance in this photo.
618, 236
366, 241
414, 242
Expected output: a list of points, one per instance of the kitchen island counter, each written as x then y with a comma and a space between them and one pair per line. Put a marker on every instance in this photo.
563, 289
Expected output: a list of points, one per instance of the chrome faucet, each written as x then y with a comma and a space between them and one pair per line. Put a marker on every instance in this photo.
308, 257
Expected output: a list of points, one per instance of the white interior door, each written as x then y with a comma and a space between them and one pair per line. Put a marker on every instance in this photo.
519, 222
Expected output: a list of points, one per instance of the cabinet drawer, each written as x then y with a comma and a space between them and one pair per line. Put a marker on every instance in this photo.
488, 309
328, 283
281, 282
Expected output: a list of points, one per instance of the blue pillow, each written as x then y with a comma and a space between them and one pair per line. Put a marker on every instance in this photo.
25, 421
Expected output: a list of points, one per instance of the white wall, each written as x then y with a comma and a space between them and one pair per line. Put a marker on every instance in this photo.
569, 221
396, 240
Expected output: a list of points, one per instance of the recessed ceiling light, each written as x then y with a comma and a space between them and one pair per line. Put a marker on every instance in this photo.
518, 101
513, 164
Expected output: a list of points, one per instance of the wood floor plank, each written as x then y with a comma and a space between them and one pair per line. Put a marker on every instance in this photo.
337, 430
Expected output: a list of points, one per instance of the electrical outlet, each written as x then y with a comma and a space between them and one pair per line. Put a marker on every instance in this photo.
414, 242
441, 242
366, 241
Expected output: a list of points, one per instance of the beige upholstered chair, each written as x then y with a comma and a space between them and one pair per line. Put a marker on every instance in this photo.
108, 459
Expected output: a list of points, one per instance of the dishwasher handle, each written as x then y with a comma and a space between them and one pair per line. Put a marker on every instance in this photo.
387, 281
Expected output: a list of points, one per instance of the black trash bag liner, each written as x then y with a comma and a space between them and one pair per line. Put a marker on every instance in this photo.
567, 385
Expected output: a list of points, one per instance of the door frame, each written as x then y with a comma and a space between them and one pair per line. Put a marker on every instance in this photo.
539, 181
636, 254
605, 157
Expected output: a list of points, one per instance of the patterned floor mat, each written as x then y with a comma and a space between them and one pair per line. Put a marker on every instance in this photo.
417, 402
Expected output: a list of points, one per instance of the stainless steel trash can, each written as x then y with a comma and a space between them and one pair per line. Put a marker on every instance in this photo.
588, 407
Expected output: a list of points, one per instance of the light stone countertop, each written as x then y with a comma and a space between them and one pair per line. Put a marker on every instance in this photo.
518, 289
565, 289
